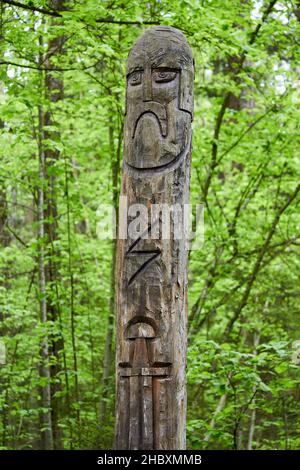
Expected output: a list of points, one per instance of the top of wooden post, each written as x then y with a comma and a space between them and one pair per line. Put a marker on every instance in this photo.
159, 100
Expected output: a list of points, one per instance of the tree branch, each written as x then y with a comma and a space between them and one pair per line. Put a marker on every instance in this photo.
48, 69
221, 113
258, 263
263, 20
56, 14
244, 133
30, 7
16, 236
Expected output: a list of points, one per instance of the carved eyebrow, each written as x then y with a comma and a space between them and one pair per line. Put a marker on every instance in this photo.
165, 69
137, 69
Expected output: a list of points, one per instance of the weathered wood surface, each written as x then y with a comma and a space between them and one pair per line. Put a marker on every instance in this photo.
152, 272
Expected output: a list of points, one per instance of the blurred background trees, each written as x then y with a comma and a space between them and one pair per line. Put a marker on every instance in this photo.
62, 73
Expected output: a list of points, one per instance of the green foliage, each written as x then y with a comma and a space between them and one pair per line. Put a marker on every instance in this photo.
243, 289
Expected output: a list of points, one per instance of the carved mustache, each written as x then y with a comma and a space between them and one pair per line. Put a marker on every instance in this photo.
154, 108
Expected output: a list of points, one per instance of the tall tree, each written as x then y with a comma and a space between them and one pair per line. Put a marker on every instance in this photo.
53, 88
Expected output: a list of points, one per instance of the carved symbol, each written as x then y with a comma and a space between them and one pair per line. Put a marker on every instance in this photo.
144, 385
140, 333
153, 254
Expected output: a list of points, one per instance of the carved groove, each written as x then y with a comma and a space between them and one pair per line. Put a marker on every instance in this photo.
143, 268
163, 132
131, 252
137, 172
140, 319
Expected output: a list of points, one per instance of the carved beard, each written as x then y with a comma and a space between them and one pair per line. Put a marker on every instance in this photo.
158, 134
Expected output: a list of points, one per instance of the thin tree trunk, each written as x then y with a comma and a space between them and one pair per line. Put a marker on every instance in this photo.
46, 418
72, 309
54, 92
221, 404
4, 241
253, 411
251, 427
108, 353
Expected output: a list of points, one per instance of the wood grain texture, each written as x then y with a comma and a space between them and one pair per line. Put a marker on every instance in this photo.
152, 268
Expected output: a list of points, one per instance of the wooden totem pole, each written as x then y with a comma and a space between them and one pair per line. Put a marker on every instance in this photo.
152, 269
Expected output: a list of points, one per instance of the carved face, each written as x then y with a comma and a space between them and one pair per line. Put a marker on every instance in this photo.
158, 99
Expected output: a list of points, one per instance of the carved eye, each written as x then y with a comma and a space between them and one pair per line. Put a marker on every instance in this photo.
163, 76
135, 78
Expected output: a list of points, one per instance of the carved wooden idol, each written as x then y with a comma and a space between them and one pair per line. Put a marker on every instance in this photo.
151, 268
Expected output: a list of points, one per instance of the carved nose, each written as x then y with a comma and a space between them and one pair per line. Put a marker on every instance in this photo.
147, 86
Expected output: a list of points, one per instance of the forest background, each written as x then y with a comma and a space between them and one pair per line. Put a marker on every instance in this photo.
62, 74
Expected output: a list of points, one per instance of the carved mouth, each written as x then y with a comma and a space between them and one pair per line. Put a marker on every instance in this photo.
162, 123
155, 109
